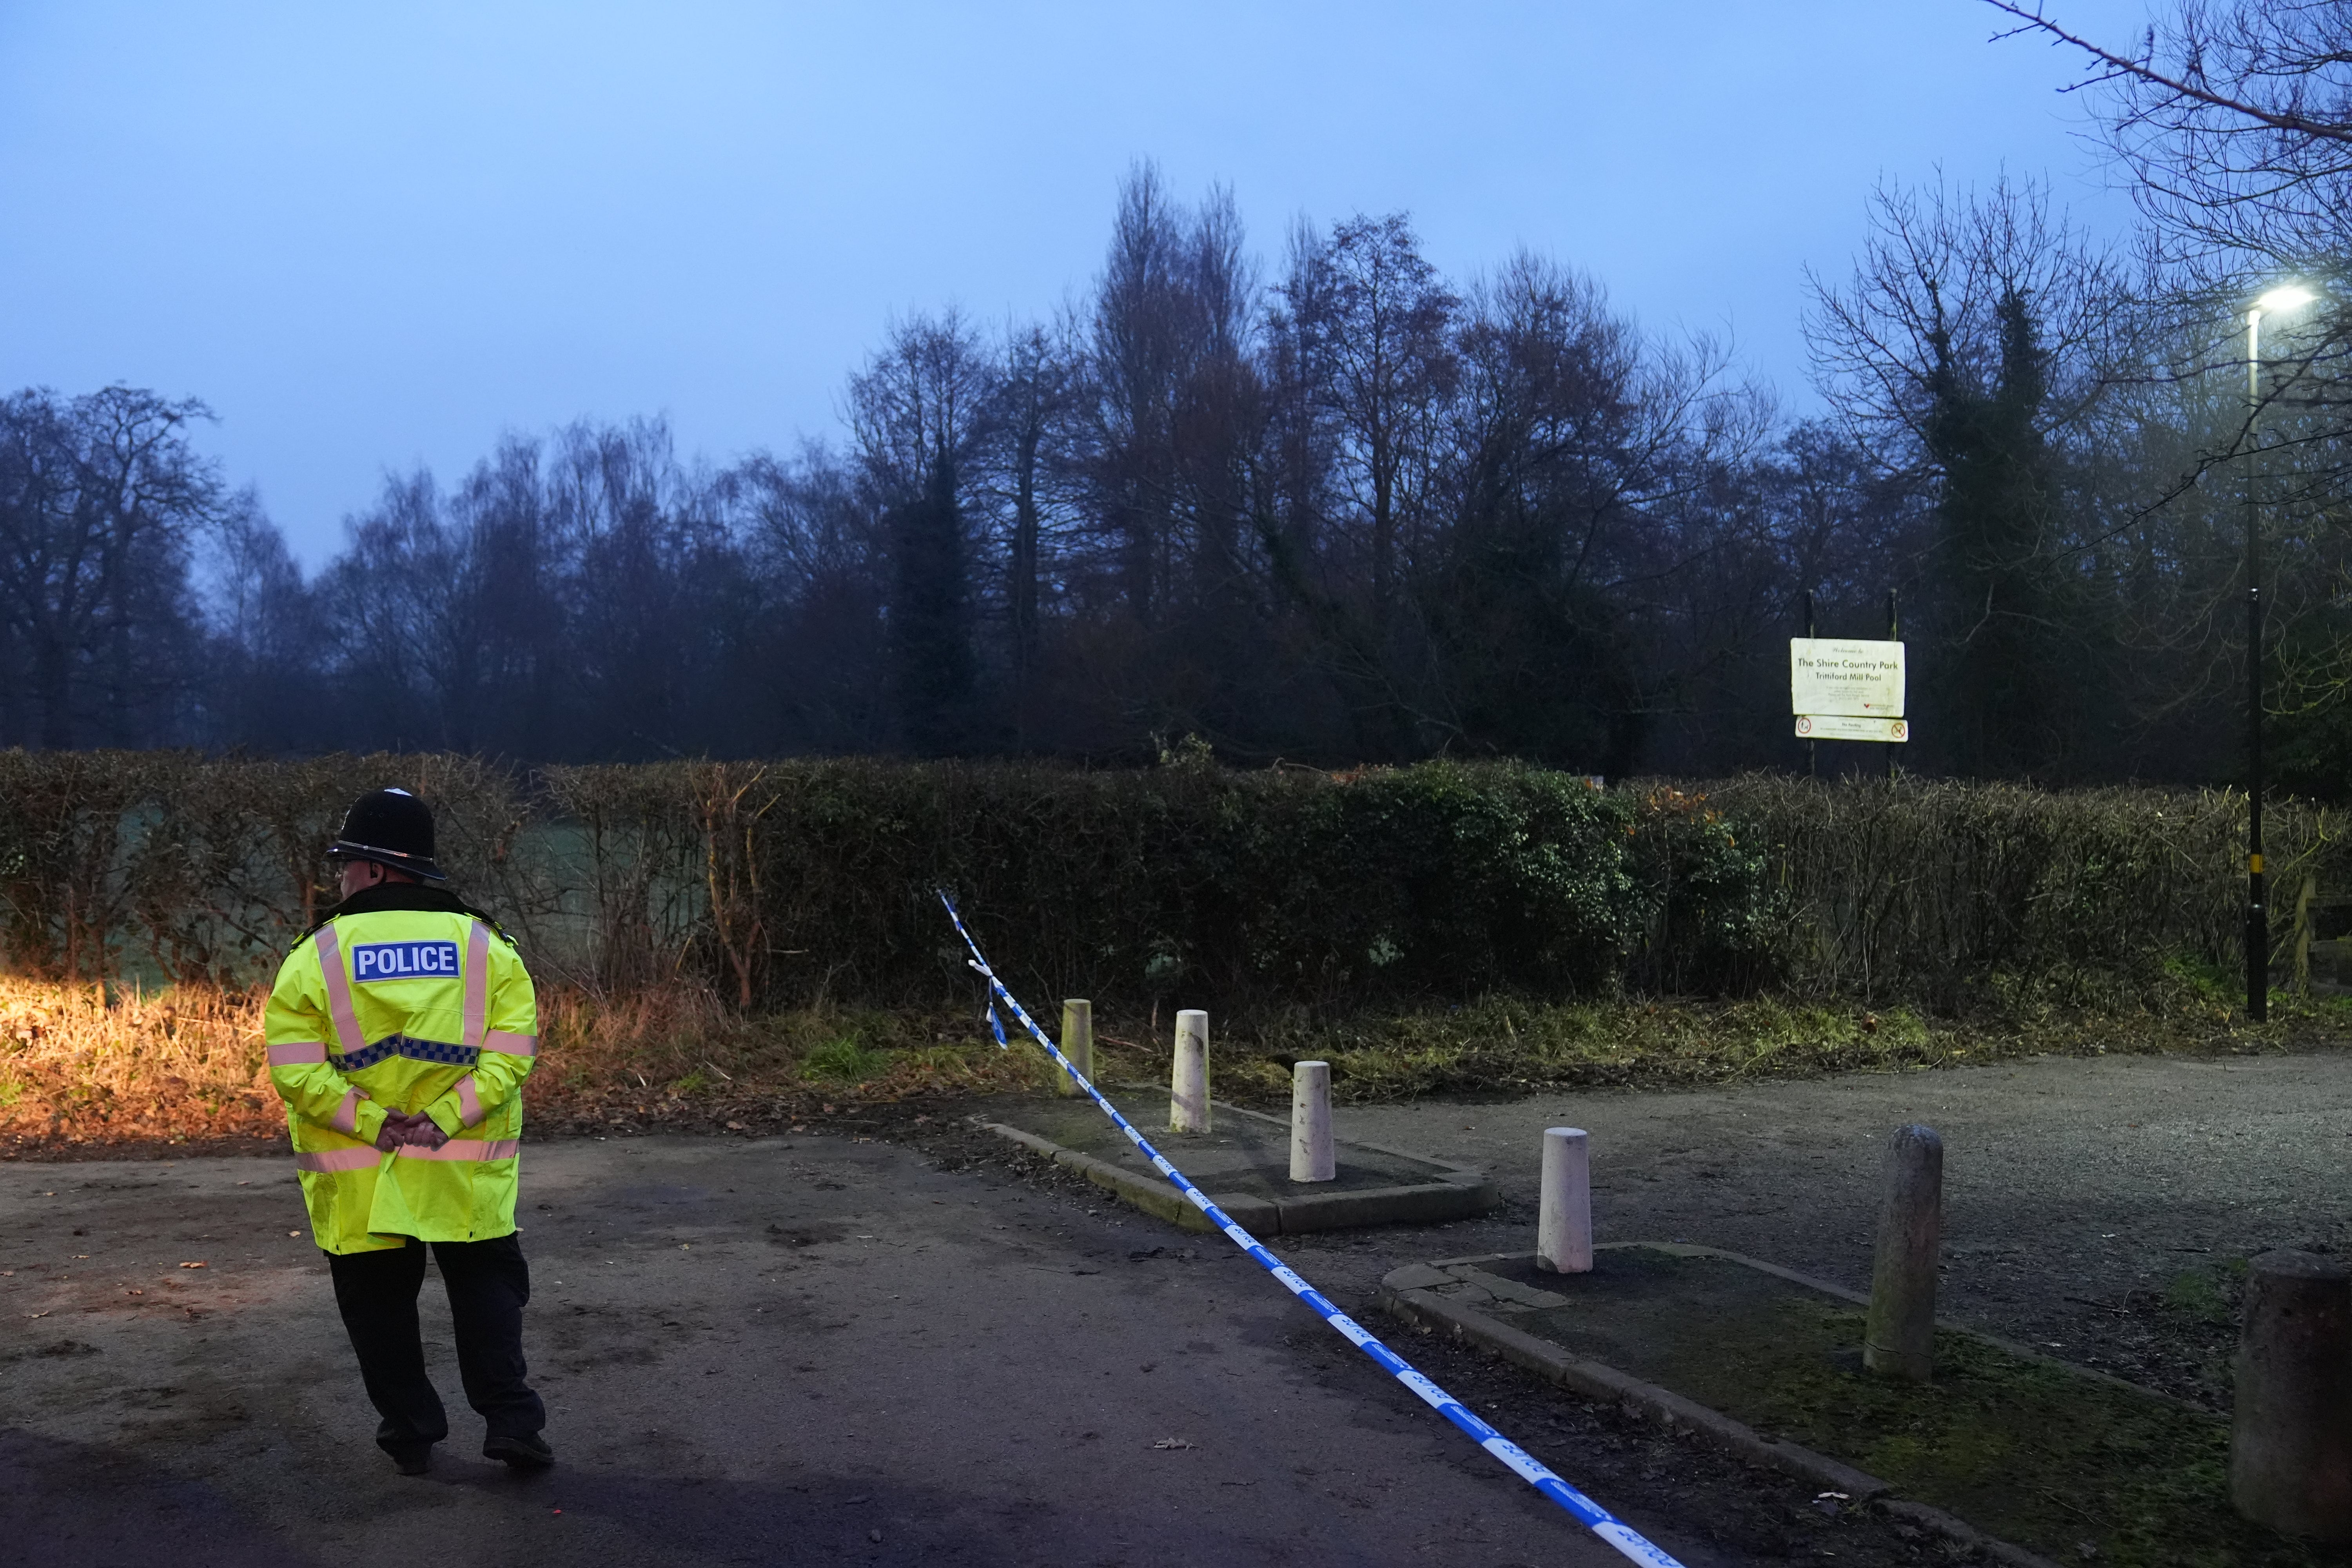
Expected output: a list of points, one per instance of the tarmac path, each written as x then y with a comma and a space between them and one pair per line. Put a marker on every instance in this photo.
827, 1349
796, 1350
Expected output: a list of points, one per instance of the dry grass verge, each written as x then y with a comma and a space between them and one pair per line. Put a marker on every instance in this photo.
1512, 1048
81, 1063
85, 1069
88, 1067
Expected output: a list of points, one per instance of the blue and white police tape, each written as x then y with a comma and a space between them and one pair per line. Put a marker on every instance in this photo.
1585, 1511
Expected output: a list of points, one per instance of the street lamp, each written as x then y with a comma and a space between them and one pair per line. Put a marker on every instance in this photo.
2287, 297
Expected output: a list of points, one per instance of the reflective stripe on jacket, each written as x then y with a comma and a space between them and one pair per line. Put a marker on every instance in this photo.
403, 1010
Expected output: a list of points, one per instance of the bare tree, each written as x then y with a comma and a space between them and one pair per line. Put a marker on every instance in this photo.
405, 618
1375, 323
1362, 515
2236, 119
100, 497
1039, 390
918, 410
1974, 350
2233, 119
266, 686
812, 537
1581, 453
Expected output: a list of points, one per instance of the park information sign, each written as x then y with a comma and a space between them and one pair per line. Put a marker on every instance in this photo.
1842, 689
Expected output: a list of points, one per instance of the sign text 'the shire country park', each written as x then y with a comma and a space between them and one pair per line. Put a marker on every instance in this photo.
1843, 690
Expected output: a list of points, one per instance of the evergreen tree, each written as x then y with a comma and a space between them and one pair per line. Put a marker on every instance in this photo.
932, 666
1999, 607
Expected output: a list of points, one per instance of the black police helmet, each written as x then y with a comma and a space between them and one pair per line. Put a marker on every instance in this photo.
390, 827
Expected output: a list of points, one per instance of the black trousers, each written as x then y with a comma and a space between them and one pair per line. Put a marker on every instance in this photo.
488, 1283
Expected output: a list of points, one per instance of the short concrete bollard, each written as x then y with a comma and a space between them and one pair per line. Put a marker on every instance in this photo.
2291, 1431
1077, 1043
1900, 1339
1311, 1159
1564, 1210
1188, 1085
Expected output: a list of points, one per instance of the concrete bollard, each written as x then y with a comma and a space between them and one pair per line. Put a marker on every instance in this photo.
1188, 1085
1077, 1043
1311, 1159
1900, 1339
1564, 1209
2291, 1432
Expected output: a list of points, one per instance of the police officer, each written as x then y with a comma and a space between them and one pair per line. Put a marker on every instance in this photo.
400, 1031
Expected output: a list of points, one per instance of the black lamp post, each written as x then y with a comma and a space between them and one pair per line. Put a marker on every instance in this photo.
2258, 925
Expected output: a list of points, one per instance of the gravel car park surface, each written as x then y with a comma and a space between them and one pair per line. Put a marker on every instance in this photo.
2093, 1205
939, 1349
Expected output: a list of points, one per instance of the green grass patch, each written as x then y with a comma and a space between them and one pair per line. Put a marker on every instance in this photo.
2073, 1466
1510, 1045
845, 1060
2208, 1296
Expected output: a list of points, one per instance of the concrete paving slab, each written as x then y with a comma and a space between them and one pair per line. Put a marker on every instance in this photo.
1243, 1164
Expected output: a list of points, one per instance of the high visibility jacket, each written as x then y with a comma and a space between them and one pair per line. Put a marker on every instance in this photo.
407, 1010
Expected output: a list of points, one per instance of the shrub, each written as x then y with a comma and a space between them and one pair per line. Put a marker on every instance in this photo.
174, 867
1946, 891
811, 883
817, 879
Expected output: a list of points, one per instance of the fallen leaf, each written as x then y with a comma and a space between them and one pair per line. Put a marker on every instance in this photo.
134, 1292
1173, 1443
734, 1127
293, 1232
195, 1265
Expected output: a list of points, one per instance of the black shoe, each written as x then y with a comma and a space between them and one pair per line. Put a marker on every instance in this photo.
527, 1452
413, 1459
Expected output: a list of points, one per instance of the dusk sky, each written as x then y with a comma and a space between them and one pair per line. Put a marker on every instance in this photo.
371, 237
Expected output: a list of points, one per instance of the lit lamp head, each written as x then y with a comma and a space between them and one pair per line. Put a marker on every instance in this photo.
2286, 297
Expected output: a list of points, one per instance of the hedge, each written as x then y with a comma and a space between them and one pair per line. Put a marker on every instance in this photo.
788, 882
